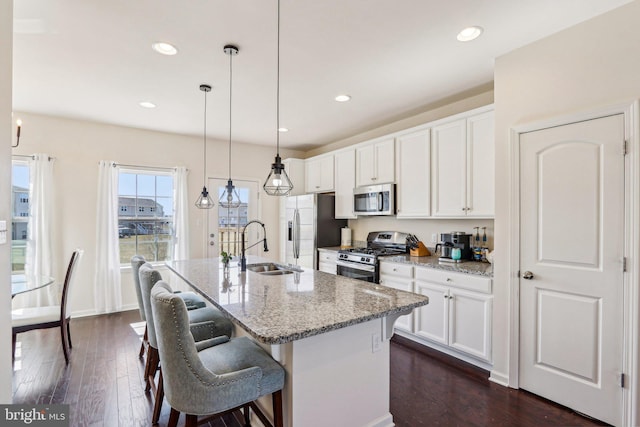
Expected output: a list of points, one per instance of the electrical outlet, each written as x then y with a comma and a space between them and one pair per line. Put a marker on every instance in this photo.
376, 342
434, 238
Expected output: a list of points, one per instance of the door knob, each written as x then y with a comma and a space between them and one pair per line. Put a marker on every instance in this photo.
527, 275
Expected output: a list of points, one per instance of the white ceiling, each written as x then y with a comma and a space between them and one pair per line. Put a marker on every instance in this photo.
92, 59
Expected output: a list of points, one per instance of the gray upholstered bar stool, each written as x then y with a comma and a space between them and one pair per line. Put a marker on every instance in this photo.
205, 323
192, 300
211, 377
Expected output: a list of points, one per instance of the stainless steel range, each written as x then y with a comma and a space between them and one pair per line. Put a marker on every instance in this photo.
363, 263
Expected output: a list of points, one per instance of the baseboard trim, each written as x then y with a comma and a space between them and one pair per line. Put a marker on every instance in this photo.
499, 378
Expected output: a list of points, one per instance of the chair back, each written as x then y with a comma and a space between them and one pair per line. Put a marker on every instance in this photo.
136, 262
185, 378
69, 280
148, 278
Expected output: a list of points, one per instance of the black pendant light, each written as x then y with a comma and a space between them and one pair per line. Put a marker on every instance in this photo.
205, 201
278, 182
229, 198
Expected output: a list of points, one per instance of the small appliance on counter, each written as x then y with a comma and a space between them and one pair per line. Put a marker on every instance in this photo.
455, 247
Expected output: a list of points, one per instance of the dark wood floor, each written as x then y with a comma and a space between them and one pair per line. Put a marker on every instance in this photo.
104, 386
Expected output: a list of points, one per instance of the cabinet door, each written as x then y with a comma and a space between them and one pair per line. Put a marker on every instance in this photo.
470, 323
405, 322
345, 181
385, 166
413, 161
365, 162
319, 174
448, 169
481, 161
432, 320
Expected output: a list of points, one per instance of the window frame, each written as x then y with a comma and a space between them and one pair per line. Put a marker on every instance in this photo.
133, 215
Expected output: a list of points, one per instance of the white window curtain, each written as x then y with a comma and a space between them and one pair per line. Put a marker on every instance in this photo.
108, 292
38, 261
180, 215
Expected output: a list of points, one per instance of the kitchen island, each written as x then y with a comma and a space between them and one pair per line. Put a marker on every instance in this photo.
330, 333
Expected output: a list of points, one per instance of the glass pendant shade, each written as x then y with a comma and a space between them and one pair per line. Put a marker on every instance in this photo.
230, 198
278, 182
204, 201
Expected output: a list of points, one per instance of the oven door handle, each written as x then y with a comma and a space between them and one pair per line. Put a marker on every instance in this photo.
356, 266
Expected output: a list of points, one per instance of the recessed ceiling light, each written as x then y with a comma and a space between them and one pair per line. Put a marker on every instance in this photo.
469, 33
147, 104
343, 98
164, 48
283, 130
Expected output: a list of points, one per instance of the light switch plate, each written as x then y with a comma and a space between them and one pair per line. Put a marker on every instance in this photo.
3, 232
3, 225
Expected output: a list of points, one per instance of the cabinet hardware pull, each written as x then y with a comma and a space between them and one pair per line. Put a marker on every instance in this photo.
449, 279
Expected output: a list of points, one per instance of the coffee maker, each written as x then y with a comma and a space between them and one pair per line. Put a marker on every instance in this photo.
453, 242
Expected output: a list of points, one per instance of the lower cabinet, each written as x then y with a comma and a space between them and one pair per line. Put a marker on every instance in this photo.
456, 316
327, 260
398, 276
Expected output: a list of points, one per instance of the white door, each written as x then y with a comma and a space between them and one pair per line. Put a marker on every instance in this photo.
432, 320
571, 251
225, 225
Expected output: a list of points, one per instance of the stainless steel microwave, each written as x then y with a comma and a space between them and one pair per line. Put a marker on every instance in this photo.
374, 200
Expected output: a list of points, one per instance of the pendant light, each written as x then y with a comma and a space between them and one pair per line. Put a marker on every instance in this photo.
230, 198
278, 182
205, 201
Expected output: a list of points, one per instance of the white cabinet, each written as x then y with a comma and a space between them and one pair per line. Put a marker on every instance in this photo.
398, 276
345, 181
295, 169
413, 160
319, 174
459, 311
327, 260
375, 163
462, 167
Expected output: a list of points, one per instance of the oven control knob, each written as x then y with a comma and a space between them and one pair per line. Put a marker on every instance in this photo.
363, 259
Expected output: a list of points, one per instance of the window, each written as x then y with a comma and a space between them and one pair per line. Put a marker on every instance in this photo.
19, 213
145, 221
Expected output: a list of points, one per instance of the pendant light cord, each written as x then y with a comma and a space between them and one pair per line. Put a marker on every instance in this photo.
278, 90
204, 139
230, 112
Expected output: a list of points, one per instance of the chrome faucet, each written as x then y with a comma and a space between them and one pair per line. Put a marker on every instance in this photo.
243, 258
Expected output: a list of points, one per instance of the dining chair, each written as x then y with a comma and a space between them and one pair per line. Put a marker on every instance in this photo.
52, 316
211, 377
192, 300
205, 323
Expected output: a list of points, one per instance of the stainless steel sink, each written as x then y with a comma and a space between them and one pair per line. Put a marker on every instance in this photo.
269, 268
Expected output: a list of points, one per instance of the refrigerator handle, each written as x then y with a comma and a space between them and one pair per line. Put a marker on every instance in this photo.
296, 228
290, 231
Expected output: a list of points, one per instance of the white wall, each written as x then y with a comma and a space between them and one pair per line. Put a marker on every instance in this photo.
6, 135
78, 146
591, 65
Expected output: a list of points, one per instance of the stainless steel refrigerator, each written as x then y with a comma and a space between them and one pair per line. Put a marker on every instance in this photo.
309, 223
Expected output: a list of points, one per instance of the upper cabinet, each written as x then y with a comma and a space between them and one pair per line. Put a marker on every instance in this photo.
345, 181
375, 163
462, 167
413, 159
295, 169
319, 174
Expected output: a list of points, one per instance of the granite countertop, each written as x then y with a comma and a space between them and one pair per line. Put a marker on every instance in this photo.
279, 309
467, 267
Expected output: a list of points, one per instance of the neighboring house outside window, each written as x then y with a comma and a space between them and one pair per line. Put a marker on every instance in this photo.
19, 213
145, 214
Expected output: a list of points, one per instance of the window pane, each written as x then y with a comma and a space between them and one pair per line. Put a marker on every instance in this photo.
164, 185
20, 214
146, 185
127, 184
165, 207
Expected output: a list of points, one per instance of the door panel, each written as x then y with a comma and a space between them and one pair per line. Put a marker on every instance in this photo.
225, 225
470, 323
572, 242
432, 320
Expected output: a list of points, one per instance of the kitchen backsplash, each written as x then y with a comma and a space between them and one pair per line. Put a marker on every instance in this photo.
423, 228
